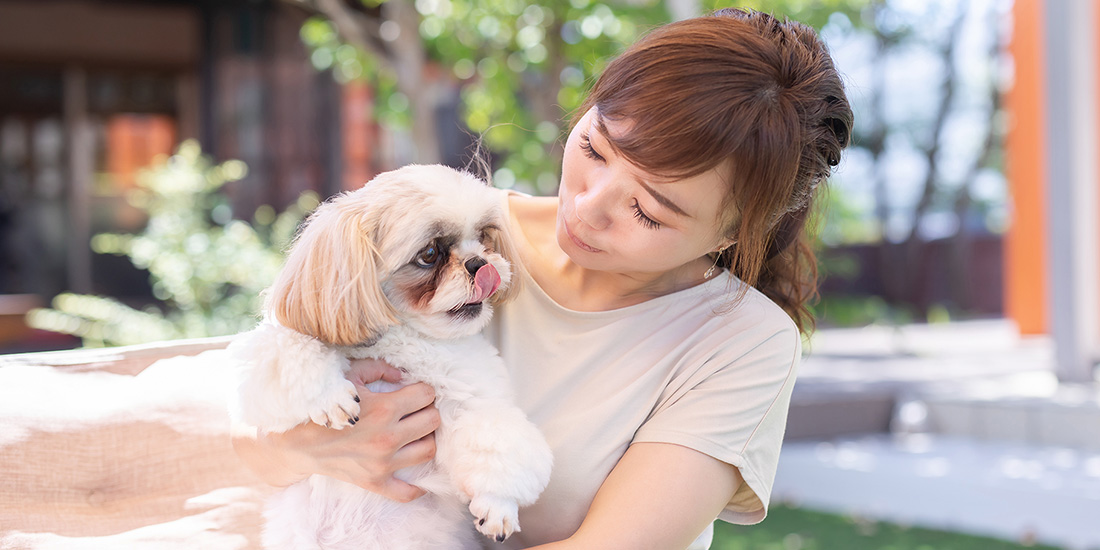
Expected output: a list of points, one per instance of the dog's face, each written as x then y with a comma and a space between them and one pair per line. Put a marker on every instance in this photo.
421, 245
445, 252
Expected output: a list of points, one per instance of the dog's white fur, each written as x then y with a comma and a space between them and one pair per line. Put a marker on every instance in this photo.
352, 287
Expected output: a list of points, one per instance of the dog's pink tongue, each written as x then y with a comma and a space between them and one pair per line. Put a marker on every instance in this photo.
486, 282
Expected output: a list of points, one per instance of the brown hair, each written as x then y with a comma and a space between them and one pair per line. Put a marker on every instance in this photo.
744, 90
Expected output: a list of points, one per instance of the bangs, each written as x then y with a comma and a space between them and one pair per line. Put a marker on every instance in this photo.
659, 146
692, 103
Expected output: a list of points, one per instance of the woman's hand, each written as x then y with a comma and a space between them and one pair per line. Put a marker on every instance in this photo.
395, 430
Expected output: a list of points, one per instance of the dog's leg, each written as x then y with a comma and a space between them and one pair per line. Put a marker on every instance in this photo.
287, 378
499, 459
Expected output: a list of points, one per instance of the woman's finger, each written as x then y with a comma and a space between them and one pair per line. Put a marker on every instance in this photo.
411, 398
417, 452
365, 371
417, 425
398, 490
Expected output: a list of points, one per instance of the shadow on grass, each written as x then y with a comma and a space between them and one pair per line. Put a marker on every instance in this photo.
798, 529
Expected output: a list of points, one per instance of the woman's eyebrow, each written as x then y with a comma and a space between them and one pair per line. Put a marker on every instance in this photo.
601, 128
663, 200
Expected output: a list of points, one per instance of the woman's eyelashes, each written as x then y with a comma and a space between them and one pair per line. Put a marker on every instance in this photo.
589, 151
646, 221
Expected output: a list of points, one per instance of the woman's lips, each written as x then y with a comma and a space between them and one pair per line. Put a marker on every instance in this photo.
580, 244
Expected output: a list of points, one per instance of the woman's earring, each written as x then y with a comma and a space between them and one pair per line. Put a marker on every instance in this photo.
710, 271
714, 267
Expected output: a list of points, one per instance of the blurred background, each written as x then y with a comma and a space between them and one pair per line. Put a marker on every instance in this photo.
156, 157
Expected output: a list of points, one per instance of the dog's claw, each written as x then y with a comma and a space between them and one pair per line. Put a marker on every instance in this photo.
337, 408
498, 517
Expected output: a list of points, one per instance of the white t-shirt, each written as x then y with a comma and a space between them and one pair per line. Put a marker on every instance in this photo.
672, 369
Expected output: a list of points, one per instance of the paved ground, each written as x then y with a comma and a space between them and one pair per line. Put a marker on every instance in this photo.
996, 477
1006, 490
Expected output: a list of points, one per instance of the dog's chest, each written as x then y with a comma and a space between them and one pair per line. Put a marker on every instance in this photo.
457, 369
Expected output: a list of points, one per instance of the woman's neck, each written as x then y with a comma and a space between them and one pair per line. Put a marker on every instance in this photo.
591, 290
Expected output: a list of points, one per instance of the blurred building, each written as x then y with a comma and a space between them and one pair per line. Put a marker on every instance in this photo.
93, 90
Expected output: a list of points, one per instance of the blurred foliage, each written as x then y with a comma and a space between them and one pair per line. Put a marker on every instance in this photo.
791, 528
839, 219
523, 67
508, 51
348, 63
858, 311
815, 13
206, 268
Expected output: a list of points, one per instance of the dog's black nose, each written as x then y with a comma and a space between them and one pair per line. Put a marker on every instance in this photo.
474, 264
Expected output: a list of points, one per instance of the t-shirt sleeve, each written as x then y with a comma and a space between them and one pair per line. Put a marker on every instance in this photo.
734, 408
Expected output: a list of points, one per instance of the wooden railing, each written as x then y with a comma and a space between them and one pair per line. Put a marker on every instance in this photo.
123, 448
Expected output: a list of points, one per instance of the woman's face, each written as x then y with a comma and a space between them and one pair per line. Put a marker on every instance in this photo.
613, 216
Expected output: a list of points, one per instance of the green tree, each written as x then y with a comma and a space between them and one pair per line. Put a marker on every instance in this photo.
520, 67
206, 268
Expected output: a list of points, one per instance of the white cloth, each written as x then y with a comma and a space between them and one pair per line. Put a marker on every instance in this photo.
672, 369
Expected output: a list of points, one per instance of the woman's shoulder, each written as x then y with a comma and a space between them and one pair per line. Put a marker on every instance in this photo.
531, 221
752, 319
526, 207
767, 312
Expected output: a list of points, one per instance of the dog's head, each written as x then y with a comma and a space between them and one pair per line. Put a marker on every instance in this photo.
421, 245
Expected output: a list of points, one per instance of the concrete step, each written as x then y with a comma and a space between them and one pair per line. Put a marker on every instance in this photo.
859, 381
1033, 409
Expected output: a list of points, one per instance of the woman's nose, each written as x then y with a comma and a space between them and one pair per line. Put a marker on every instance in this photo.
591, 206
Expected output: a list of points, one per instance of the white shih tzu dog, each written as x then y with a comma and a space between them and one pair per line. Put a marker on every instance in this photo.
406, 269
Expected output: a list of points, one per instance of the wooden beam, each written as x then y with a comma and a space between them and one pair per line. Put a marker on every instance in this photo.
80, 146
129, 360
1025, 275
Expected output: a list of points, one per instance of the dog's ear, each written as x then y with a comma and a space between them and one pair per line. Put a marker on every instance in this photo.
330, 287
503, 244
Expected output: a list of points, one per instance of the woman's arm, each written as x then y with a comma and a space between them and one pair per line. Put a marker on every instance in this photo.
659, 496
395, 430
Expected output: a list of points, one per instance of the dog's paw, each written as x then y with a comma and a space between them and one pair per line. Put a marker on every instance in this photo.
496, 517
337, 408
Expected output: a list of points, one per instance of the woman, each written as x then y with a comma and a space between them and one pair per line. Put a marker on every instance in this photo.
657, 337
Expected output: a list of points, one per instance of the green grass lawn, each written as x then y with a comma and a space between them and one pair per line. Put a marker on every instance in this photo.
798, 529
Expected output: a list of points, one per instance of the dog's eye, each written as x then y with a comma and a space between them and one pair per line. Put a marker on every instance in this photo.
428, 256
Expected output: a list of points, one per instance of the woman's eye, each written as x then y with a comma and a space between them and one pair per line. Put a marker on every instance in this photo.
589, 151
427, 257
646, 221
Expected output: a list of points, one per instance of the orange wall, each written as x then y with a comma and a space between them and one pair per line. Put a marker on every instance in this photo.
359, 135
1026, 241
134, 142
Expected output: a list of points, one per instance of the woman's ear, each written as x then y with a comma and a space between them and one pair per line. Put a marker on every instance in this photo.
724, 245
330, 286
